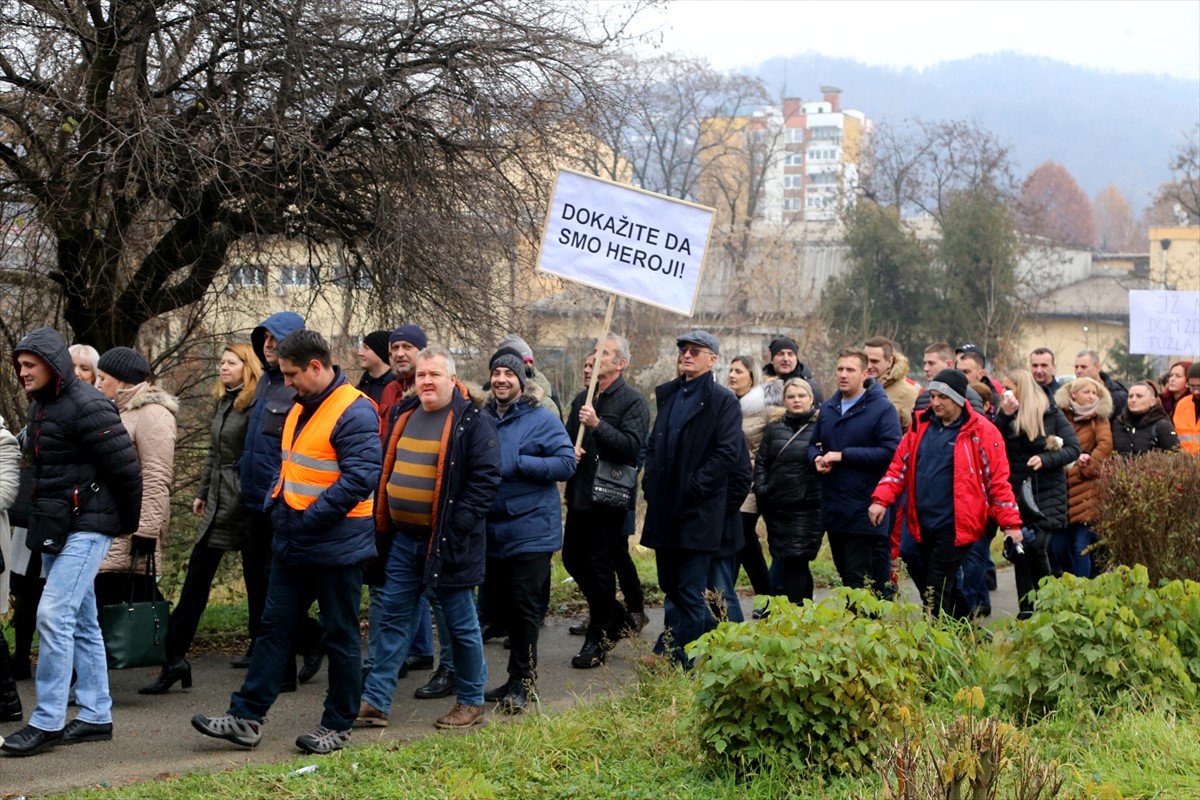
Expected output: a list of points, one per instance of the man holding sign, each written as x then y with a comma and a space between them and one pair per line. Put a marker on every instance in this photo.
614, 427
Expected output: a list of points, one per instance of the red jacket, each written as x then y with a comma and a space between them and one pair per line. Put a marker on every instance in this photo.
981, 488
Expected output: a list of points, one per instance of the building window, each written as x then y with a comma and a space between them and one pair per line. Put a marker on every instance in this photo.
794, 135
248, 276
794, 160
296, 275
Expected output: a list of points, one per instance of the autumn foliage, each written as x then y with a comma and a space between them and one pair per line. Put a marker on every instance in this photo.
1054, 207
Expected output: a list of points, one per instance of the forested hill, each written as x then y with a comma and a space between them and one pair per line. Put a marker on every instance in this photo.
1102, 126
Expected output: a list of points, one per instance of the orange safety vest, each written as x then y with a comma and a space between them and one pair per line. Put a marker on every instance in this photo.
1186, 425
310, 466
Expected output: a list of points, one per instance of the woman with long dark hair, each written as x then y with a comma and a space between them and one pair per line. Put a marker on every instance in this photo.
218, 503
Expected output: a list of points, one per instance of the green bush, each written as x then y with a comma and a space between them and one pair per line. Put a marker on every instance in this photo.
814, 685
1148, 513
1094, 641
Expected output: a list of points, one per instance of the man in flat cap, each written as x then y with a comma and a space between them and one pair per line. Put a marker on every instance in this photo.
695, 446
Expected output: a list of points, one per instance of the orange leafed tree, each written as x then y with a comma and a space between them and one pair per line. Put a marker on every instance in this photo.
1053, 206
1116, 230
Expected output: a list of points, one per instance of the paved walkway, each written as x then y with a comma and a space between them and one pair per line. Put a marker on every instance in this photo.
153, 736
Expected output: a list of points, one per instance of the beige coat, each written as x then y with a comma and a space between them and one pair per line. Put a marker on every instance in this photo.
756, 416
10, 481
148, 413
902, 393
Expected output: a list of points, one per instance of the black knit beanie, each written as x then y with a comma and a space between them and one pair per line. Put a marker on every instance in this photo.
125, 365
510, 358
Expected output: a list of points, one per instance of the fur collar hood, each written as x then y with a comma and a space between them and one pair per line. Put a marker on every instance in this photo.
134, 397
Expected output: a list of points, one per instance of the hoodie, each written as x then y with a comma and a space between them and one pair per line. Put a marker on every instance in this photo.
81, 454
262, 454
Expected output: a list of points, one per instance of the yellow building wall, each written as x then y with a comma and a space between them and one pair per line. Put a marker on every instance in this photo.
1182, 258
1066, 337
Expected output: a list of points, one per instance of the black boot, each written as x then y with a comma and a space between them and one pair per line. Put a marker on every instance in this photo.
499, 693
441, 684
10, 701
179, 670
592, 654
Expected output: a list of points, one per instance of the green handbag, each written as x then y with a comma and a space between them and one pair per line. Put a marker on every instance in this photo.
135, 631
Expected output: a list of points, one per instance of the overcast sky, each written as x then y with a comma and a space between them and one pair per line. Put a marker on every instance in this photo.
1148, 36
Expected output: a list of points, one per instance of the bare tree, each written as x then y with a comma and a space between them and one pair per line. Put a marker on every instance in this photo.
1177, 202
145, 140
920, 165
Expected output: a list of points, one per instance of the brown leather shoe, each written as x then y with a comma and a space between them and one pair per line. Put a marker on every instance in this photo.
371, 716
461, 717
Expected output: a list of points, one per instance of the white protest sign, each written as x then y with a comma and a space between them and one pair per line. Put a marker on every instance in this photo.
625, 240
1164, 323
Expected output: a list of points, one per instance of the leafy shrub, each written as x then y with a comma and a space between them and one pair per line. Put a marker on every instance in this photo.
1094, 641
818, 685
1149, 513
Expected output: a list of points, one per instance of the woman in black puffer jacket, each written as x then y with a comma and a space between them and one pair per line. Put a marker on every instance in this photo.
1040, 444
1143, 425
789, 491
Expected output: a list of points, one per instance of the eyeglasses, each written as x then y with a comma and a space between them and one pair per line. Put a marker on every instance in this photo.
693, 351
1193, 387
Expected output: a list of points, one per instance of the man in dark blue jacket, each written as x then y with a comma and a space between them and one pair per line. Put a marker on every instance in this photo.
695, 445
857, 433
524, 525
441, 470
323, 519
259, 466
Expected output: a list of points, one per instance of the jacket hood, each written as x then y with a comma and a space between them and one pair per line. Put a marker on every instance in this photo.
532, 395
1155, 413
279, 325
753, 402
801, 371
1062, 398
142, 394
898, 371
48, 345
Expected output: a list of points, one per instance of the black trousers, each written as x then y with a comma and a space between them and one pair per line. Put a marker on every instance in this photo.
627, 574
941, 560
750, 557
514, 590
26, 594
1029, 569
590, 540
258, 552
863, 560
193, 598
796, 576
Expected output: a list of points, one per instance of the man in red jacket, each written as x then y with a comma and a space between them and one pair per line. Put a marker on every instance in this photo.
952, 469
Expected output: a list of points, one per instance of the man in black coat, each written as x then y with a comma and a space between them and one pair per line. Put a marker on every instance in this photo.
695, 445
614, 425
87, 488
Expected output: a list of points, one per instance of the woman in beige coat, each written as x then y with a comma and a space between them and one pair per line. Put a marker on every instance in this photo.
148, 413
745, 382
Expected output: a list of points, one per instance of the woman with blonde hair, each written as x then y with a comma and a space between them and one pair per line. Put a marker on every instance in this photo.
84, 357
223, 521
1087, 405
1039, 443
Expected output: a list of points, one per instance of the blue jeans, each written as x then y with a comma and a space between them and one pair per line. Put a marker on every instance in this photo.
683, 576
70, 635
1069, 546
400, 597
422, 642
973, 576
722, 578
290, 592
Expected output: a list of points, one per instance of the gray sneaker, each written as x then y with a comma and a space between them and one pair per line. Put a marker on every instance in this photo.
245, 732
323, 740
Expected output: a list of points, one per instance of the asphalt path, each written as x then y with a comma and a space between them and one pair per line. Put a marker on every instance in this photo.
153, 736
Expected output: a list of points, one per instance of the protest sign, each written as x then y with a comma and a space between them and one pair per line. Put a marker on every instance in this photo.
1164, 323
625, 240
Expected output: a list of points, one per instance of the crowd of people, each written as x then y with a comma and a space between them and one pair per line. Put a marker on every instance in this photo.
445, 501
